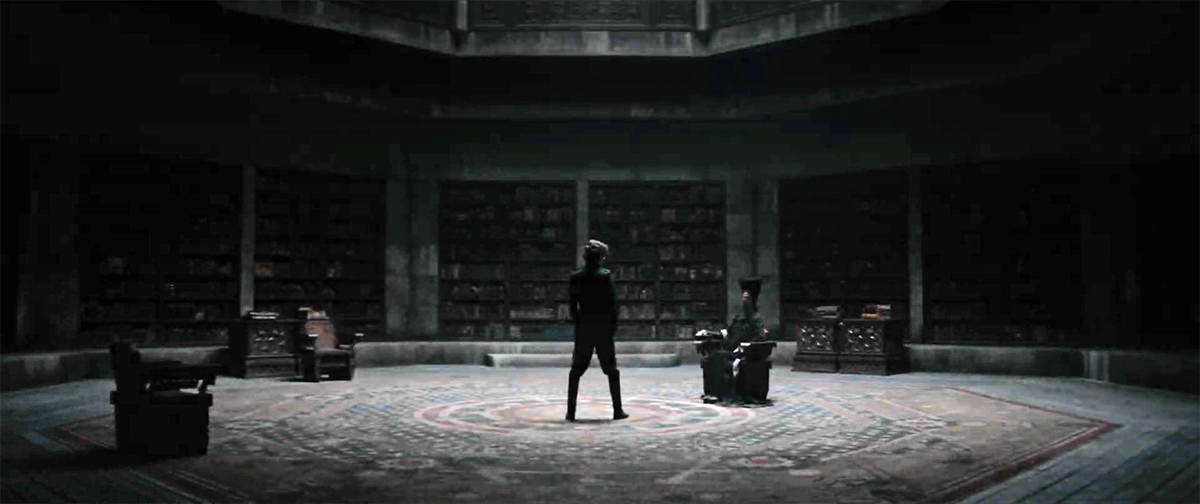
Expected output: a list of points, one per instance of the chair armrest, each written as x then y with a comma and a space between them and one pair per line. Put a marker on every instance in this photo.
308, 342
358, 338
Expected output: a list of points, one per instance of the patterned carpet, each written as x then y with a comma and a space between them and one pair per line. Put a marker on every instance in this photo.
502, 438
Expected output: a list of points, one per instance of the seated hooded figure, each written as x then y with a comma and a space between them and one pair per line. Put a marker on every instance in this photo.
724, 352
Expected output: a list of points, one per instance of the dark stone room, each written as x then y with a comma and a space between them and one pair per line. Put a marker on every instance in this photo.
811, 251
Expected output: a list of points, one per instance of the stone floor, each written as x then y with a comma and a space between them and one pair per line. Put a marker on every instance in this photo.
478, 434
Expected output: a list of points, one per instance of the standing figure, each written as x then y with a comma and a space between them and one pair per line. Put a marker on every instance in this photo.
594, 310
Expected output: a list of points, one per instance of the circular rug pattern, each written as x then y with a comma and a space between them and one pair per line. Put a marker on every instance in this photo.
543, 416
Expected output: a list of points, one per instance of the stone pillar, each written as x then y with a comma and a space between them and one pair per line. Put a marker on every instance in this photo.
461, 27
423, 193
48, 297
916, 262
767, 254
703, 27
246, 272
739, 239
581, 219
397, 259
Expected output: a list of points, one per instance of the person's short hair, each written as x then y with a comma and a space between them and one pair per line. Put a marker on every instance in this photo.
595, 250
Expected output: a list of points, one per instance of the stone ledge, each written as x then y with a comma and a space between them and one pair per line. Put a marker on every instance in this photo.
401, 353
1171, 371
19, 371
563, 360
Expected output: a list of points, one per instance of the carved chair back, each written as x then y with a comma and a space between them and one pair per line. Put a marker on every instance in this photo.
326, 336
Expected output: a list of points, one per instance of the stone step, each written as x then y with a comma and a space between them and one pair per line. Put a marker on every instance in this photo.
564, 360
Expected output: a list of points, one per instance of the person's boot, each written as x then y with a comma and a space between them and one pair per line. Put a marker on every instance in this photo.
572, 393
614, 388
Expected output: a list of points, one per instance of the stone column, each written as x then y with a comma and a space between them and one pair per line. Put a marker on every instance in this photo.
423, 193
48, 297
916, 263
767, 254
246, 271
739, 239
581, 219
397, 259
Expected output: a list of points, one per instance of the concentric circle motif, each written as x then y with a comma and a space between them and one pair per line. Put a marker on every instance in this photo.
544, 416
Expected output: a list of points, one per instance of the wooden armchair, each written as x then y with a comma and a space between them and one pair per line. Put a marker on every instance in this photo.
154, 416
322, 351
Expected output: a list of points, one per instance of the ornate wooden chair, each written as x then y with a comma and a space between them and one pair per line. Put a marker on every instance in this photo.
154, 416
322, 352
754, 372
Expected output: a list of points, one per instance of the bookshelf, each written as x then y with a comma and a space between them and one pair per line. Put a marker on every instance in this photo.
667, 255
1002, 256
843, 241
319, 240
160, 241
506, 252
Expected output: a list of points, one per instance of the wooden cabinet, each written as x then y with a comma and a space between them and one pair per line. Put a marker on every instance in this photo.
816, 345
857, 346
265, 348
871, 346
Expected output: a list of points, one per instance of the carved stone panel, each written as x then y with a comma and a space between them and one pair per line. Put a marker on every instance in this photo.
814, 336
270, 340
862, 338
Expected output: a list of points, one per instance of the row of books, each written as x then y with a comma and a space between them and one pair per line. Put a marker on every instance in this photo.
199, 312
497, 272
301, 290
649, 272
322, 269
868, 311
123, 265
507, 194
198, 267
558, 312
657, 233
201, 289
364, 232
495, 233
94, 310
317, 249
339, 309
666, 215
126, 289
492, 215
696, 310
491, 331
473, 291
693, 194
472, 311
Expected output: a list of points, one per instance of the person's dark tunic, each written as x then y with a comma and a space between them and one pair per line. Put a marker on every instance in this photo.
594, 310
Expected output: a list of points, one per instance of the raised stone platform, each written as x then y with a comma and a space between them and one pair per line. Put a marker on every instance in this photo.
563, 360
